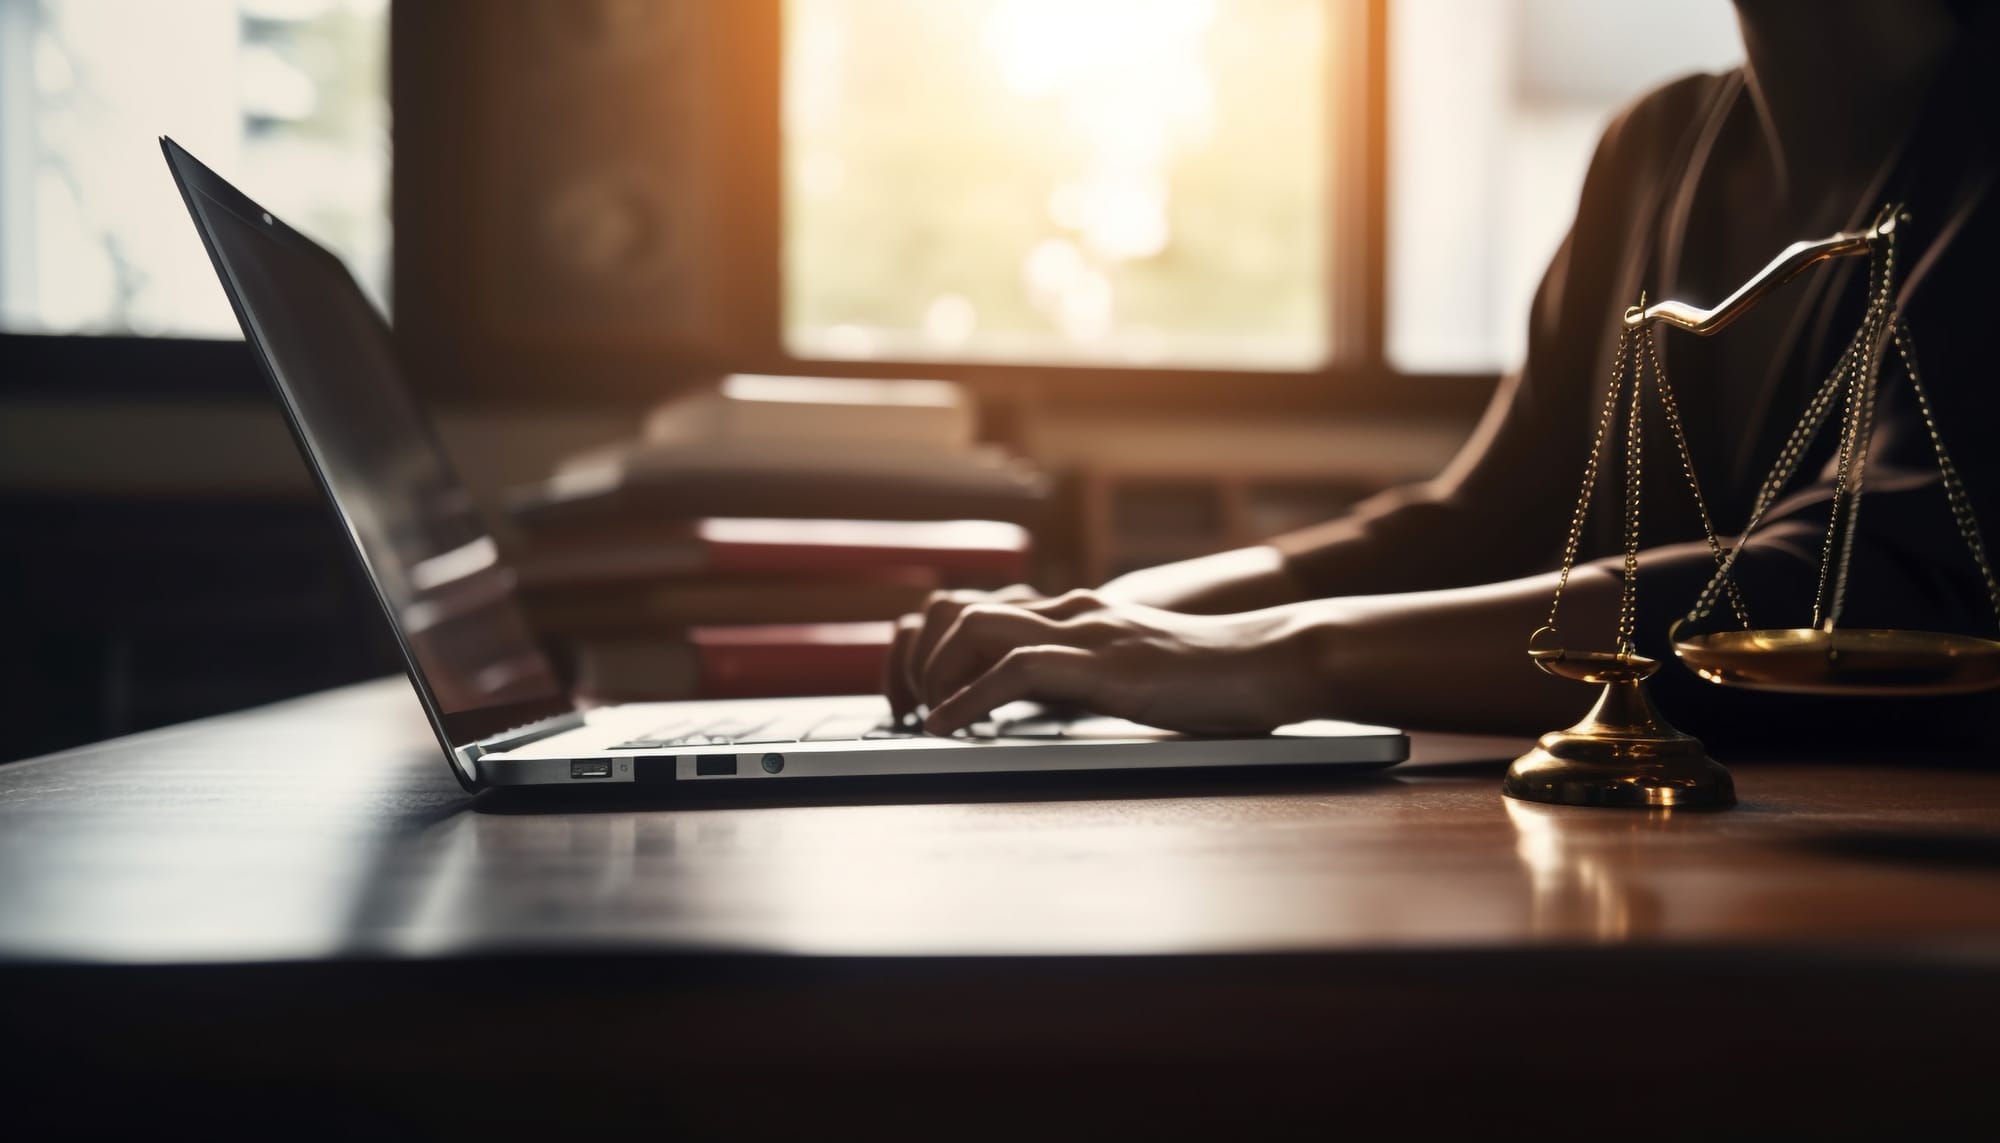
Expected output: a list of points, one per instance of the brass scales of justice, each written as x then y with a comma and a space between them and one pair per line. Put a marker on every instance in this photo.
1624, 753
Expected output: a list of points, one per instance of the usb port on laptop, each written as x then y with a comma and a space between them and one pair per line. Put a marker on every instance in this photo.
593, 768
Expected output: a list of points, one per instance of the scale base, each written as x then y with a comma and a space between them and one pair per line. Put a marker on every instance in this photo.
1622, 754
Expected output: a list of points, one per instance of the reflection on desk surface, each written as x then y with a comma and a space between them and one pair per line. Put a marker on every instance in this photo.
330, 826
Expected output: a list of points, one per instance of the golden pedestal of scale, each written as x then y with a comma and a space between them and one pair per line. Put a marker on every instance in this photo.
1624, 753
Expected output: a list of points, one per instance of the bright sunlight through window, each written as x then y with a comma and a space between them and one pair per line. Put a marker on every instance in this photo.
286, 98
1104, 182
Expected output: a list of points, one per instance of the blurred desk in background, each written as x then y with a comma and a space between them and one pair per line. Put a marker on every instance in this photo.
1150, 490
295, 907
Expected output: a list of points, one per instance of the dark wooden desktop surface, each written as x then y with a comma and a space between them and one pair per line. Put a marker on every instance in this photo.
299, 900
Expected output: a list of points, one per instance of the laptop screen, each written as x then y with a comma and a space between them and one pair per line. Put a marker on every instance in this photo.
436, 567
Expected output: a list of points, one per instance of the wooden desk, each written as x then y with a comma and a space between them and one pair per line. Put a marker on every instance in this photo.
298, 902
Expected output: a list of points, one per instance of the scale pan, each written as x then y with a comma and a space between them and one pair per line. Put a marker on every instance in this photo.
1857, 661
1593, 666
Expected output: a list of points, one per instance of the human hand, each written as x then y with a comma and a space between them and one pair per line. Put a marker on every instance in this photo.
917, 635
1227, 674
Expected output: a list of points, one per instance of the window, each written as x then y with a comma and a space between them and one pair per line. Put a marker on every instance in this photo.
1084, 182
1494, 109
1097, 183
1155, 182
287, 97
1109, 200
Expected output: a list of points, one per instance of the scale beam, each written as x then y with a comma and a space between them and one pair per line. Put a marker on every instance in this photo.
1787, 265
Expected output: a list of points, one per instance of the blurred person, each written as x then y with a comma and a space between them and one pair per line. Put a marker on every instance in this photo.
1414, 609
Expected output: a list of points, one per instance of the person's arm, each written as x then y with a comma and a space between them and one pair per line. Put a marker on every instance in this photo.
1244, 579
1455, 659
1492, 514
1448, 659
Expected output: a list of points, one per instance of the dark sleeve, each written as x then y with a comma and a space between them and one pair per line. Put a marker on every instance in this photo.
1500, 509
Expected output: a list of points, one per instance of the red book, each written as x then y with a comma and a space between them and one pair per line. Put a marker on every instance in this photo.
762, 661
795, 659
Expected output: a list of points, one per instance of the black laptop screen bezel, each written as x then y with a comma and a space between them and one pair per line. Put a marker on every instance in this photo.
202, 189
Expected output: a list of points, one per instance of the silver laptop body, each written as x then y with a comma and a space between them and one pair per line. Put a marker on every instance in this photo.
499, 711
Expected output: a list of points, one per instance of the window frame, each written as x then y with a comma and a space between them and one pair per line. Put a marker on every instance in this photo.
92, 367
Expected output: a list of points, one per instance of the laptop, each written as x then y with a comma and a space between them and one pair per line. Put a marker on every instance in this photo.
500, 713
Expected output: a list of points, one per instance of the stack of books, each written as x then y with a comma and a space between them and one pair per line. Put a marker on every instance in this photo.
796, 447
761, 537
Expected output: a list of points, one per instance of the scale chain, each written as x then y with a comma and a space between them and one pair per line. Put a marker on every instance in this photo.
1862, 433
1857, 425
1864, 440
1854, 384
1590, 468
1632, 358
1673, 413
1856, 376
1628, 593
1790, 456
1954, 487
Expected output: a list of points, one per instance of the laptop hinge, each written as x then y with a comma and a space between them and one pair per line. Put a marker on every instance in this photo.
522, 735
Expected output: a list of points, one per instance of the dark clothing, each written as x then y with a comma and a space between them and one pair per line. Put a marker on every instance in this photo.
1500, 511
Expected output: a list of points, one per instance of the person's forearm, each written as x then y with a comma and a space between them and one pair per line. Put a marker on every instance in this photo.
1246, 579
1455, 659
